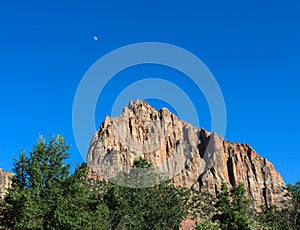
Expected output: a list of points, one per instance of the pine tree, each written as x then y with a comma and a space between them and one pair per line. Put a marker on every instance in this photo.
233, 208
293, 209
223, 205
240, 207
158, 207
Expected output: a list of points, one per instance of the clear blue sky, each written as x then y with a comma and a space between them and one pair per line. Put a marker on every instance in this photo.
251, 47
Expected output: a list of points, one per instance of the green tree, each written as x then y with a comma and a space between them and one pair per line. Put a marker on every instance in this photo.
241, 207
293, 209
285, 217
142, 163
44, 196
271, 218
233, 208
157, 207
223, 206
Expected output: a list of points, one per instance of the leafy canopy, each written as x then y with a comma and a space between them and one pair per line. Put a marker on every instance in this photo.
44, 196
158, 207
232, 208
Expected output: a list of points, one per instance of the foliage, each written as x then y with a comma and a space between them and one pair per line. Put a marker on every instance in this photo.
44, 196
271, 218
288, 216
142, 163
199, 204
294, 205
207, 225
157, 207
233, 208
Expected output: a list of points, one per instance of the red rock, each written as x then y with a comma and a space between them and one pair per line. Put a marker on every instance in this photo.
192, 157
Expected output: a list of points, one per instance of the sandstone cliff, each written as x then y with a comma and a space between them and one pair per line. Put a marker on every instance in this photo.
5, 182
191, 157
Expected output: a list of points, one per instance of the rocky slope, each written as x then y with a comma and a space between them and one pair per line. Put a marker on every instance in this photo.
192, 157
4, 182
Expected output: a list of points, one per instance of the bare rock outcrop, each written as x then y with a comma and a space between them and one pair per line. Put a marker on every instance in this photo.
191, 157
5, 182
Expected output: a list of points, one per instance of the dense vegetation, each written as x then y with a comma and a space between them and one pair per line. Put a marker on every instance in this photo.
44, 195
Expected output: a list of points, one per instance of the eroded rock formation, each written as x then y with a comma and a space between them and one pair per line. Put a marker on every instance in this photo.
5, 182
192, 157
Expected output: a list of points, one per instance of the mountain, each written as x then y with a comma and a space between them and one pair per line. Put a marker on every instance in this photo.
190, 156
4, 182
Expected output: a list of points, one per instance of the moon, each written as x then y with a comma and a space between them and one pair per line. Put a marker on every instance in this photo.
95, 38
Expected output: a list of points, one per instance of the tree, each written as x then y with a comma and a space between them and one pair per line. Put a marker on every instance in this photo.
233, 208
294, 205
157, 207
241, 207
142, 163
287, 216
271, 218
44, 196
223, 206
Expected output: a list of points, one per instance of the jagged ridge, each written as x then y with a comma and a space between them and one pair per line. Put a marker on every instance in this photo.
192, 157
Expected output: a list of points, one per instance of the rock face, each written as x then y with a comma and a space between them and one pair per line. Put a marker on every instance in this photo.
191, 157
5, 182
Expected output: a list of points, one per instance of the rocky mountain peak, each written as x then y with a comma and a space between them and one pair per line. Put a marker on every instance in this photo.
190, 156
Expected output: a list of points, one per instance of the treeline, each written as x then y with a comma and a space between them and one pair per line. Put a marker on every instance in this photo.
44, 195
